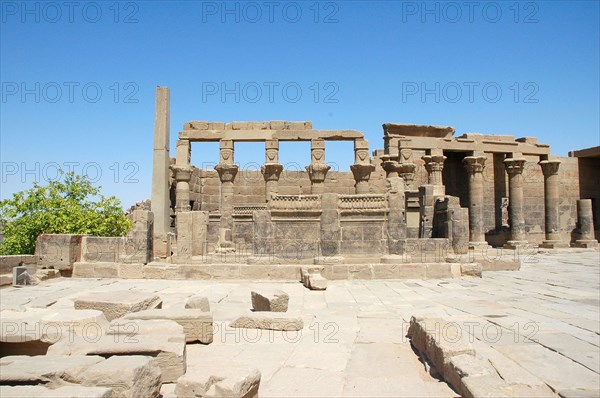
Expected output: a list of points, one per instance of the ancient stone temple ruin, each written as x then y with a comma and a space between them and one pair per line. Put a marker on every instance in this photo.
429, 199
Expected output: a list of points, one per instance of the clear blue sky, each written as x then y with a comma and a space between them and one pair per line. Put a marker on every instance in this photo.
357, 65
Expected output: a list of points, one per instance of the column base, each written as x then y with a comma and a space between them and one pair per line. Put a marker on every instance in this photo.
515, 244
554, 244
587, 244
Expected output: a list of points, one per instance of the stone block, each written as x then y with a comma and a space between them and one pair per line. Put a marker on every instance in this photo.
197, 324
274, 300
119, 303
39, 391
61, 324
58, 251
169, 353
198, 303
485, 387
20, 276
226, 379
128, 376
269, 321
471, 269
8, 262
52, 371
311, 278
462, 366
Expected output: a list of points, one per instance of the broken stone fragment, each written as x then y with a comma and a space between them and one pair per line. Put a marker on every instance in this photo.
312, 279
117, 304
198, 303
128, 376
269, 321
52, 371
274, 300
218, 380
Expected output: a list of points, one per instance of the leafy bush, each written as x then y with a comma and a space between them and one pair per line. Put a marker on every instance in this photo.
67, 205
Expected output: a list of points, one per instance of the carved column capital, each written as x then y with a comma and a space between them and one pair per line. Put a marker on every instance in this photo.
389, 166
407, 172
474, 164
317, 172
362, 172
514, 165
182, 173
271, 171
550, 167
434, 164
227, 172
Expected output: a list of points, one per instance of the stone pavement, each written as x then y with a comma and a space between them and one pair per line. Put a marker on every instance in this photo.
539, 325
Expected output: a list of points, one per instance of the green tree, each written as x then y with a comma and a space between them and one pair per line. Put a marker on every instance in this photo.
71, 204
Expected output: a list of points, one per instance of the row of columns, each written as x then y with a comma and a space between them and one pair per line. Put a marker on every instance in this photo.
271, 171
475, 164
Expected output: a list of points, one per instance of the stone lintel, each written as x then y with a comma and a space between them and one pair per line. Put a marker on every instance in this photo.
415, 130
493, 146
263, 135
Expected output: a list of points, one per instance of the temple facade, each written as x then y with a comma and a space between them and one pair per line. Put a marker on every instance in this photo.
428, 190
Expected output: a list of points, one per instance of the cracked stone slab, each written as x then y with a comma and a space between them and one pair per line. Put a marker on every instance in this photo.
269, 321
118, 303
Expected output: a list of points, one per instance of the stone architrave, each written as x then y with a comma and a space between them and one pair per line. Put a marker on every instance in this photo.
317, 170
475, 166
514, 167
551, 200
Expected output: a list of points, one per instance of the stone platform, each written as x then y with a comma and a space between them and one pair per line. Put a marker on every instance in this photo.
538, 328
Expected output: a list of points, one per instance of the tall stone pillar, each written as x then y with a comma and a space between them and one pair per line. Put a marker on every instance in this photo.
362, 167
434, 164
514, 167
317, 170
160, 172
271, 170
551, 200
227, 172
474, 165
183, 175
585, 222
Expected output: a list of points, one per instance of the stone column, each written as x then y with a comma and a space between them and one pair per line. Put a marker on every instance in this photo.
474, 165
160, 172
271, 170
227, 172
551, 200
434, 164
183, 174
362, 167
585, 221
317, 170
514, 167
